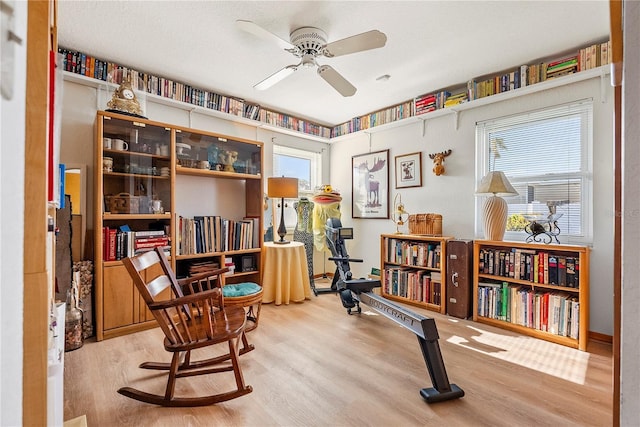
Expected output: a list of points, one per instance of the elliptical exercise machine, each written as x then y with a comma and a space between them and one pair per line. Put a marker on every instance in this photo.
355, 291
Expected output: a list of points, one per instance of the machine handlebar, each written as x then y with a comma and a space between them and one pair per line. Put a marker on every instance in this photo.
344, 259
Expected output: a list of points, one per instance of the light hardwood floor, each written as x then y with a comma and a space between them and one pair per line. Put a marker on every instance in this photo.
314, 365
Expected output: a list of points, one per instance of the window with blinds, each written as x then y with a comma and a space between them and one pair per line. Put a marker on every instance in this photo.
546, 155
301, 164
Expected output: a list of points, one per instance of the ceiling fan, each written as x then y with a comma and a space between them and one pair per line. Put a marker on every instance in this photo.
309, 43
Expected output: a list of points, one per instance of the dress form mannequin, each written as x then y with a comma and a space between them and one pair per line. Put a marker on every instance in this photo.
327, 205
304, 233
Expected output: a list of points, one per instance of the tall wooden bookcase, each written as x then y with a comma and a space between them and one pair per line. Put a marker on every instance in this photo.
226, 228
534, 289
413, 270
137, 207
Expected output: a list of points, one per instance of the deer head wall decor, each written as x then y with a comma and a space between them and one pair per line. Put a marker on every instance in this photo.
438, 159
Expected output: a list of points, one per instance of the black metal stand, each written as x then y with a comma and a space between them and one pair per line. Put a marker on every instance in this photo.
542, 231
355, 291
333, 288
282, 230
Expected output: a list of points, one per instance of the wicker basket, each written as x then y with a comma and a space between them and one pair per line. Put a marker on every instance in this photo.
427, 223
123, 203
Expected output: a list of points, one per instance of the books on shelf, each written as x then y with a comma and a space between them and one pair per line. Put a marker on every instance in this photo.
585, 58
535, 266
497, 84
377, 118
594, 56
414, 253
549, 311
533, 287
208, 234
89, 66
119, 244
430, 102
413, 284
562, 66
456, 99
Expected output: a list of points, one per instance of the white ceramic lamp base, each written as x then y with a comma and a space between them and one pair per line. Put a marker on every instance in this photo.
495, 218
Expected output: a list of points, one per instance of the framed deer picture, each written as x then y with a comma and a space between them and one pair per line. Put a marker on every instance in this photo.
370, 185
409, 170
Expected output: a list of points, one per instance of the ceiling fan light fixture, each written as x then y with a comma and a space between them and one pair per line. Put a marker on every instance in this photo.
276, 77
308, 43
308, 61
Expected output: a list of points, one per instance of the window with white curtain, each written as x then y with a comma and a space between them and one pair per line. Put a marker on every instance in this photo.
296, 163
546, 155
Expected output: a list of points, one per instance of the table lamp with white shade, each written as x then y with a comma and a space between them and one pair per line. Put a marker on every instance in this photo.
282, 188
495, 209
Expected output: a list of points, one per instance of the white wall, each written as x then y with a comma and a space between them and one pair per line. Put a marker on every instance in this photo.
12, 231
452, 194
630, 315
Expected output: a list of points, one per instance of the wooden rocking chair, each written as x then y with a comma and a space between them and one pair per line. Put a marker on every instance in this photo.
243, 295
189, 322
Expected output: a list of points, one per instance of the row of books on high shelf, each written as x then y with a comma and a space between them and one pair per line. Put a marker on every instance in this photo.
589, 57
119, 243
207, 234
417, 254
289, 122
89, 66
534, 266
595, 56
586, 58
554, 312
416, 285
434, 101
377, 118
497, 84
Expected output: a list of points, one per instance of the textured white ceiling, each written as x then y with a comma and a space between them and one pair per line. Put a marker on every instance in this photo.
430, 44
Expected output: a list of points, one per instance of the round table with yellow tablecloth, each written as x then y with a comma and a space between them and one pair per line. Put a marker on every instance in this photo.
285, 275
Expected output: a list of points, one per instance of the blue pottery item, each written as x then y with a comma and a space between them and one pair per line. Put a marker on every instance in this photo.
212, 155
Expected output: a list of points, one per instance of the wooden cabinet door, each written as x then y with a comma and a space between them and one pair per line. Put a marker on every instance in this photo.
118, 298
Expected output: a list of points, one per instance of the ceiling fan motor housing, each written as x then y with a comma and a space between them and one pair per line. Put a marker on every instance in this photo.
308, 41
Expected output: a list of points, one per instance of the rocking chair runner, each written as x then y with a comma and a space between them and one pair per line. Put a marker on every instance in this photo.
189, 322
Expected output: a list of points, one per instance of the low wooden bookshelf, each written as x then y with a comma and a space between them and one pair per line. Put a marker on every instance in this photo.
413, 270
534, 289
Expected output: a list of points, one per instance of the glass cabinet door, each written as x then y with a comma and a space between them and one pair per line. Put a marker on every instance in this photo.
136, 168
217, 153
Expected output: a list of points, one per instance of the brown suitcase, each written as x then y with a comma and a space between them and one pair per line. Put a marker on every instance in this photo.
459, 278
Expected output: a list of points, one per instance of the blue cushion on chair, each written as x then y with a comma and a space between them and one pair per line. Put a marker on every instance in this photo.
240, 289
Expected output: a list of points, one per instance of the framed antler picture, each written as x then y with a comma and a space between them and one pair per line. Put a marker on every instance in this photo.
370, 185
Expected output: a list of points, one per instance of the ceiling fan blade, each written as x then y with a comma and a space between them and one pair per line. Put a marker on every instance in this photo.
257, 30
370, 40
336, 80
276, 77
